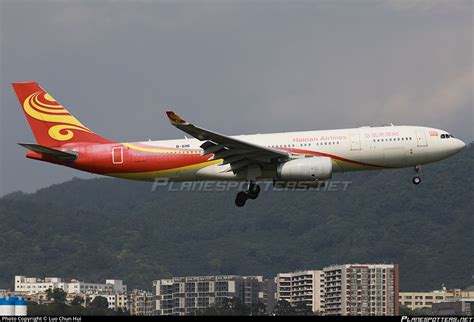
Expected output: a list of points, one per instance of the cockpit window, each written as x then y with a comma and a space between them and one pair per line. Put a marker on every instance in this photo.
443, 136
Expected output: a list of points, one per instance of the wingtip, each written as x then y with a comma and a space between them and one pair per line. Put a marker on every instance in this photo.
175, 118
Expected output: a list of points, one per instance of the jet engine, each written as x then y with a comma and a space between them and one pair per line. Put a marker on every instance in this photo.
305, 169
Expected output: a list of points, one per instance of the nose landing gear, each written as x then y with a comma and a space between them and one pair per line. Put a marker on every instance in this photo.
417, 179
251, 193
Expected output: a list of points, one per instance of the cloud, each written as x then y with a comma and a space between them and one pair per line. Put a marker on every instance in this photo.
445, 100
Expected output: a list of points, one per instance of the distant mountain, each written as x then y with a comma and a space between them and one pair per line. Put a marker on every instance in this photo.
110, 228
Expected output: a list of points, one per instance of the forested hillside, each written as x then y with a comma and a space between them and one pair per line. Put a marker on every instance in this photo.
110, 228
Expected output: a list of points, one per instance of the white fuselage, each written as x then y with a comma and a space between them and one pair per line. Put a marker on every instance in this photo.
352, 149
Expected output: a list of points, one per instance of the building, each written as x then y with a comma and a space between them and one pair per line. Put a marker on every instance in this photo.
141, 302
268, 295
186, 295
111, 299
34, 289
121, 302
454, 307
117, 301
361, 289
420, 300
33, 285
302, 287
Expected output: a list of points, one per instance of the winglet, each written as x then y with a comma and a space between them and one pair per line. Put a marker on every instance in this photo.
175, 119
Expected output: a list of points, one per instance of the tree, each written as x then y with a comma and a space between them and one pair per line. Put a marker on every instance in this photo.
57, 295
77, 300
275, 231
234, 306
302, 308
416, 312
229, 306
283, 307
258, 309
99, 302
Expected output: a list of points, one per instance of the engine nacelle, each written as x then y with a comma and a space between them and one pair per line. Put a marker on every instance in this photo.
306, 169
299, 185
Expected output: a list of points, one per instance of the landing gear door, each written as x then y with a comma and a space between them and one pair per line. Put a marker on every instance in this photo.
117, 155
421, 138
355, 142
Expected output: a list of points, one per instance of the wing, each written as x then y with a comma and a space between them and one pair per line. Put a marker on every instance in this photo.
237, 153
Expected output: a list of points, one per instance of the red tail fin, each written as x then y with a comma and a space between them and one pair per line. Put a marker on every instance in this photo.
51, 123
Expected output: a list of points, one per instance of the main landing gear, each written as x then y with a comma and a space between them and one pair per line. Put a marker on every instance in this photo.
251, 193
417, 178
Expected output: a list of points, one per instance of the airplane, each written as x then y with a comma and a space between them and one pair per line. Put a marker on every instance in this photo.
309, 157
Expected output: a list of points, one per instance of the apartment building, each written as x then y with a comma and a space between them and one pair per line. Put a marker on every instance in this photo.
186, 295
361, 289
141, 302
302, 287
268, 294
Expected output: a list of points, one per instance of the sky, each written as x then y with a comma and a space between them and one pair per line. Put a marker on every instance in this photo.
237, 67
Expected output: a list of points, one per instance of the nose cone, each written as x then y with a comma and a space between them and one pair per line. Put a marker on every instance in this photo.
457, 145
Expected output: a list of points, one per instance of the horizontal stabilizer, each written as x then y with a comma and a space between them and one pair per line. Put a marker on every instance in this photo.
44, 150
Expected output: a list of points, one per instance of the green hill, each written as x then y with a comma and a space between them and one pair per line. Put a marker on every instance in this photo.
107, 228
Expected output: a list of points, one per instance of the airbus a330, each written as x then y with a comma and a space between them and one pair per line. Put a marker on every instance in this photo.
309, 157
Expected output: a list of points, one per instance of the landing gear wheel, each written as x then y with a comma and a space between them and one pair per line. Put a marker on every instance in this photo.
254, 191
241, 198
416, 180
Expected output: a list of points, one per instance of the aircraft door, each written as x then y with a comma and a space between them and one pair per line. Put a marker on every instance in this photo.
421, 138
117, 155
355, 142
